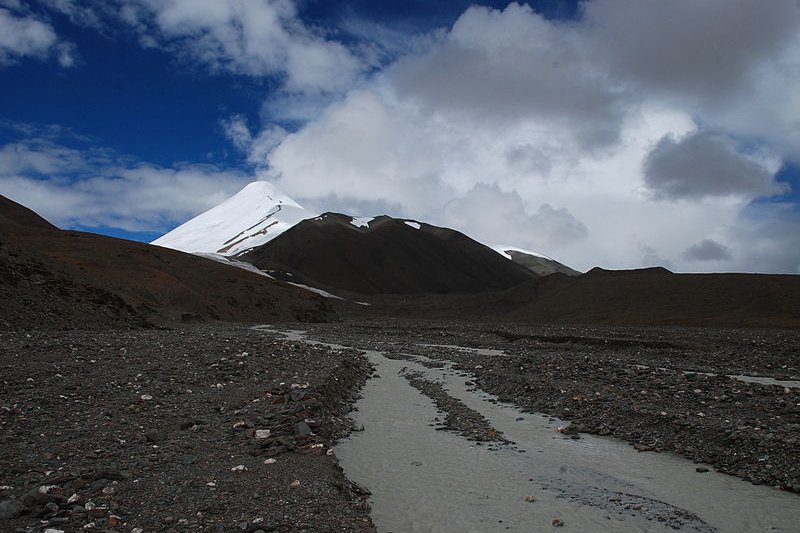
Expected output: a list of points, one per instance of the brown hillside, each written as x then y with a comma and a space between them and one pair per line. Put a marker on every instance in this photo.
65, 279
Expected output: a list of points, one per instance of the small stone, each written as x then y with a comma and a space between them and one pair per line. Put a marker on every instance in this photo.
701, 470
557, 522
154, 436
530, 498
294, 484
146, 397
262, 433
11, 509
301, 429
270, 461
239, 468
569, 430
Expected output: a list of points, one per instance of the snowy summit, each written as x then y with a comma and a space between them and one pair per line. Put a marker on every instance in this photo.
253, 216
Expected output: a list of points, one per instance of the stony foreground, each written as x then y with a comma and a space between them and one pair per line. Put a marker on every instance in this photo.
212, 429
229, 429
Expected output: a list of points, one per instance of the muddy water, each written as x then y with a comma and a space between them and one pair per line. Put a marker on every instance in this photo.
787, 383
424, 480
480, 351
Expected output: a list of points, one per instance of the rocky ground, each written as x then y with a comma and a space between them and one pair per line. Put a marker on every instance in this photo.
225, 428
631, 383
206, 429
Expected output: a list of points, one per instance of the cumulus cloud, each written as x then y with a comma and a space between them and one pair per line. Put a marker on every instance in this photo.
702, 164
708, 250
97, 187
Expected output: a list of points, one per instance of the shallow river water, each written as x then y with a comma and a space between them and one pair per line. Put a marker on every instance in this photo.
426, 480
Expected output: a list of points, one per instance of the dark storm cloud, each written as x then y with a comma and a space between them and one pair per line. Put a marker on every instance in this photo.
704, 164
708, 250
702, 49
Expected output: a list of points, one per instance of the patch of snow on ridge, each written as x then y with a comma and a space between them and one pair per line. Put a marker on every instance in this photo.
415, 225
321, 292
503, 250
253, 216
233, 262
361, 222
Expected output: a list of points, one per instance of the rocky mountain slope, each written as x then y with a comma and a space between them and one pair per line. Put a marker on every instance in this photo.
66, 279
535, 262
385, 255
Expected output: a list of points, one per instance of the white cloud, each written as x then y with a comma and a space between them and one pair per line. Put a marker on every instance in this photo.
96, 187
250, 37
82, 15
24, 36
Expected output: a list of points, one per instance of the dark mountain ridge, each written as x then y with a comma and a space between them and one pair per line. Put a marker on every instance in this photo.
385, 256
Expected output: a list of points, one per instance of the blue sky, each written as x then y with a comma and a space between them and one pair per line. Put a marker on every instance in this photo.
613, 134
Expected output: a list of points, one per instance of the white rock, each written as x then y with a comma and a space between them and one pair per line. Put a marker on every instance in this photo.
262, 433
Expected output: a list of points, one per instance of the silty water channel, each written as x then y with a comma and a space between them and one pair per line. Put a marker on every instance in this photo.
426, 480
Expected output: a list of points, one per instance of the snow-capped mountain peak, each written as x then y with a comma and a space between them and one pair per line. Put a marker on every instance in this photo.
253, 216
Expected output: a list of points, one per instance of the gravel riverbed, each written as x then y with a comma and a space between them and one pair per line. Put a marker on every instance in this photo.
630, 383
226, 428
